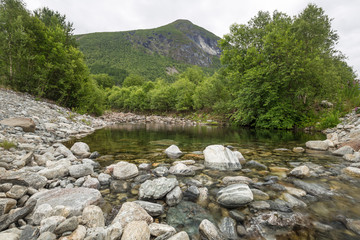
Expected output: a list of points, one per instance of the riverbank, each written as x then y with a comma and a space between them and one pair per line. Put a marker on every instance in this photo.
49, 191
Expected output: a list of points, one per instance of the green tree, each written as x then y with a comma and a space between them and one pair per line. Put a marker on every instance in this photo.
133, 80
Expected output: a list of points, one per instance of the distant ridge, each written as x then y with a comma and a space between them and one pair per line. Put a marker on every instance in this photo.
152, 53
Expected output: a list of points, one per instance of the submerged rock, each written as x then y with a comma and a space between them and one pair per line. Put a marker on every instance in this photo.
173, 152
317, 145
312, 188
220, 158
228, 228
352, 171
300, 172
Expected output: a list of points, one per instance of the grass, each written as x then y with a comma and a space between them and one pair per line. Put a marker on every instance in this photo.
7, 144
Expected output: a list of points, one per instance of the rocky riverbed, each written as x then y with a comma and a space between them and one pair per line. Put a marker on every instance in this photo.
50, 191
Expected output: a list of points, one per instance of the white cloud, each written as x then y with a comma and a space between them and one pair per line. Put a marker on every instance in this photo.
214, 15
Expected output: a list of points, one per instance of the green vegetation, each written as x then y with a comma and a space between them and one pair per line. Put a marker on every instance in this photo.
7, 144
39, 55
149, 53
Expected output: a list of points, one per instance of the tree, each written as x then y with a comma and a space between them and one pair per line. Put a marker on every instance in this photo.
280, 67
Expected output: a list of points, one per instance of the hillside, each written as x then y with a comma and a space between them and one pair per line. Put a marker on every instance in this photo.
151, 53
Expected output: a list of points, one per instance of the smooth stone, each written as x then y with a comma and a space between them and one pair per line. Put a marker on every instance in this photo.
6, 204
157, 188
74, 199
298, 149
259, 195
322, 227
125, 170
153, 209
26, 179
227, 227
255, 165
236, 179
129, 212
158, 229
220, 158
192, 193
300, 172
47, 236
104, 179
80, 149
27, 124
91, 182
295, 191
237, 215
161, 171
240, 157
234, 195
312, 188
93, 217
352, 157
57, 171
180, 236
280, 205
174, 197
41, 212
173, 152
49, 224
81, 170
29, 233
293, 201
181, 170
343, 151
69, 224
144, 166
352, 171
203, 199
208, 230
136, 230
259, 205
186, 162
317, 145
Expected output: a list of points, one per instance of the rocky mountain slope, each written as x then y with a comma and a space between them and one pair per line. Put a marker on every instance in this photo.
152, 53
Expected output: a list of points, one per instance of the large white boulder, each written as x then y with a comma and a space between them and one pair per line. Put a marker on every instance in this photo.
221, 158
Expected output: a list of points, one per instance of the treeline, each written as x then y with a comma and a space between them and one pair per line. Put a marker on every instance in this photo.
276, 71
39, 55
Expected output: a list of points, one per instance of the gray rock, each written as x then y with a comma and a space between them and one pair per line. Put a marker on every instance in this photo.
343, 151
98, 233
237, 215
80, 170
352, 157
91, 182
136, 230
180, 236
192, 193
173, 152
6, 220
158, 229
104, 179
49, 224
181, 169
174, 197
6, 204
78, 234
298, 149
352, 171
255, 165
259, 205
161, 171
227, 227
144, 166
157, 188
234, 195
10, 234
125, 170
280, 205
47, 236
16, 192
93, 217
293, 201
41, 212
312, 188
26, 179
81, 149
27, 124
94, 155
220, 158
69, 224
29, 233
259, 195
154, 209
317, 145
74, 199
129, 212
114, 231
209, 231
236, 179
300, 172
57, 171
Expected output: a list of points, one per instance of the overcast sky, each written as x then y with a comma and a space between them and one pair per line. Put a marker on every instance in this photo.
213, 15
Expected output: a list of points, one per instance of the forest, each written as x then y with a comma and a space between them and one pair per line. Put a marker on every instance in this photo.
276, 71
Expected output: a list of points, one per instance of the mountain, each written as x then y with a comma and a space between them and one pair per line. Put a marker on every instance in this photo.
152, 53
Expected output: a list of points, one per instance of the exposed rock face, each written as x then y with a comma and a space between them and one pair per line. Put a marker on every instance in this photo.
235, 195
317, 145
75, 199
27, 124
221, 158
158, 188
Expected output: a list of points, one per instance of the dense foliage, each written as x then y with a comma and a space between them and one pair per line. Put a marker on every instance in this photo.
281, 68
39, 55
149, 53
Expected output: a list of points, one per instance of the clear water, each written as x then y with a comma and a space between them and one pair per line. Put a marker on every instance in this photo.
140, 143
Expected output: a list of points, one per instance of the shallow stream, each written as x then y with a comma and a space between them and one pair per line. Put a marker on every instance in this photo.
140, 143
